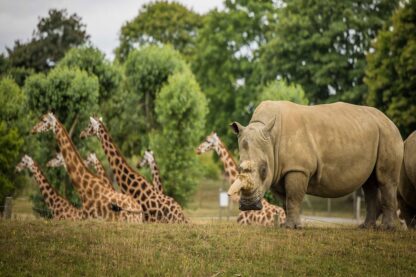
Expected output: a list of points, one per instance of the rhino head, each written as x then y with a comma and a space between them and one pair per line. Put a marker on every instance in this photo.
257, 163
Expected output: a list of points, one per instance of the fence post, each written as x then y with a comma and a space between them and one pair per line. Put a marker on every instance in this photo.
358, 208
276, 220
7, 213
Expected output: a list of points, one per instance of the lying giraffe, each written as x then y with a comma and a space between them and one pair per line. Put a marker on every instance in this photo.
98, 201
263, 217
59, 206
91, 161
156, 206
149, 160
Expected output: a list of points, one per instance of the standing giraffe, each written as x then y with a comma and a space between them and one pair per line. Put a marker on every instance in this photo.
156, 206
149, 160
59, 206
263, 217
98, 200
91, 161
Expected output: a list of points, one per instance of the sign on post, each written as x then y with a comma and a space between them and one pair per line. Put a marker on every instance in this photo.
223, 200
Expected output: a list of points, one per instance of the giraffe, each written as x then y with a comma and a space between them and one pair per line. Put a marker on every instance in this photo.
59, 206
156, 206
91, 161
98, 200
149, 159
263, 217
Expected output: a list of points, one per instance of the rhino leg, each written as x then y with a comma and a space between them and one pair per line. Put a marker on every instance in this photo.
295, 185
387, 168
407, 212
371, 194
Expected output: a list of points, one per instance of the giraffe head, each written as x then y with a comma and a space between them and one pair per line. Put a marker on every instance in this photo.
148, 158
46, 123
26, 162
58, 161
211, 141
93, 129
91, 159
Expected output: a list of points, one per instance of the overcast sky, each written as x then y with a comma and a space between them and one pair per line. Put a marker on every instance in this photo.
104, 18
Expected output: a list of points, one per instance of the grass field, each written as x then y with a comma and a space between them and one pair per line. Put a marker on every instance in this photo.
32, 246
92, 248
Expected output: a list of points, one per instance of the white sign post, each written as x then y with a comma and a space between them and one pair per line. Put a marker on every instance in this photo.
223, 200
224, 203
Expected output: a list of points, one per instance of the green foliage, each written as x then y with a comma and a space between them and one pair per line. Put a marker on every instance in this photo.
158, 23
132, 113
93, 61
321, 45
19, 74
226, 60
69, 93
181, 109
11, 136
55, 34
279, 90
391, 72
72, 94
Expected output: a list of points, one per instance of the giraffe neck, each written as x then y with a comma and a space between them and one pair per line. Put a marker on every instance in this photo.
99, 168
74, 165
49, 194
119, 165
157, 182
230, 167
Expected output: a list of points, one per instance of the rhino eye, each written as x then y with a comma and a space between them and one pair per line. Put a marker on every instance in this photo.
263, 170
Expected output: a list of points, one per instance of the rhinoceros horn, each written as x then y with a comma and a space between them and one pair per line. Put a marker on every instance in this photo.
235, 188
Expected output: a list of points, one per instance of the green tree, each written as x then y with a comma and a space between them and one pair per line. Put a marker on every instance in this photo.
54, 35
321, 45
226, 59
72, 94
391, 71
133, 111
279, 90
158, 23
12, 130
93, 61
181, 109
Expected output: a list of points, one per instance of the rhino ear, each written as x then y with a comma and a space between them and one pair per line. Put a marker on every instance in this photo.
237, 127
268, 128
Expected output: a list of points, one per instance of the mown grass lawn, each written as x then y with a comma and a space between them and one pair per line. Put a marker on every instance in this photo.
54, 248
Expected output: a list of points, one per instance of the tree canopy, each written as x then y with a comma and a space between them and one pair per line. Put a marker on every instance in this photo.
226, 60
159, 23
54, 35
321, 45
391, 72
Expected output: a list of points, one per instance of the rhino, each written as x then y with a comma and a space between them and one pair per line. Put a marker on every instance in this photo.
327, 150
406, 193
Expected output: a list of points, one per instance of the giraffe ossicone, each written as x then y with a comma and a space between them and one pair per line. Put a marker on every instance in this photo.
149, 160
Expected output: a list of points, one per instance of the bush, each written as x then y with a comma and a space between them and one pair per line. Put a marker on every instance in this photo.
181, 109
93, 61
279, 90
12, 129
